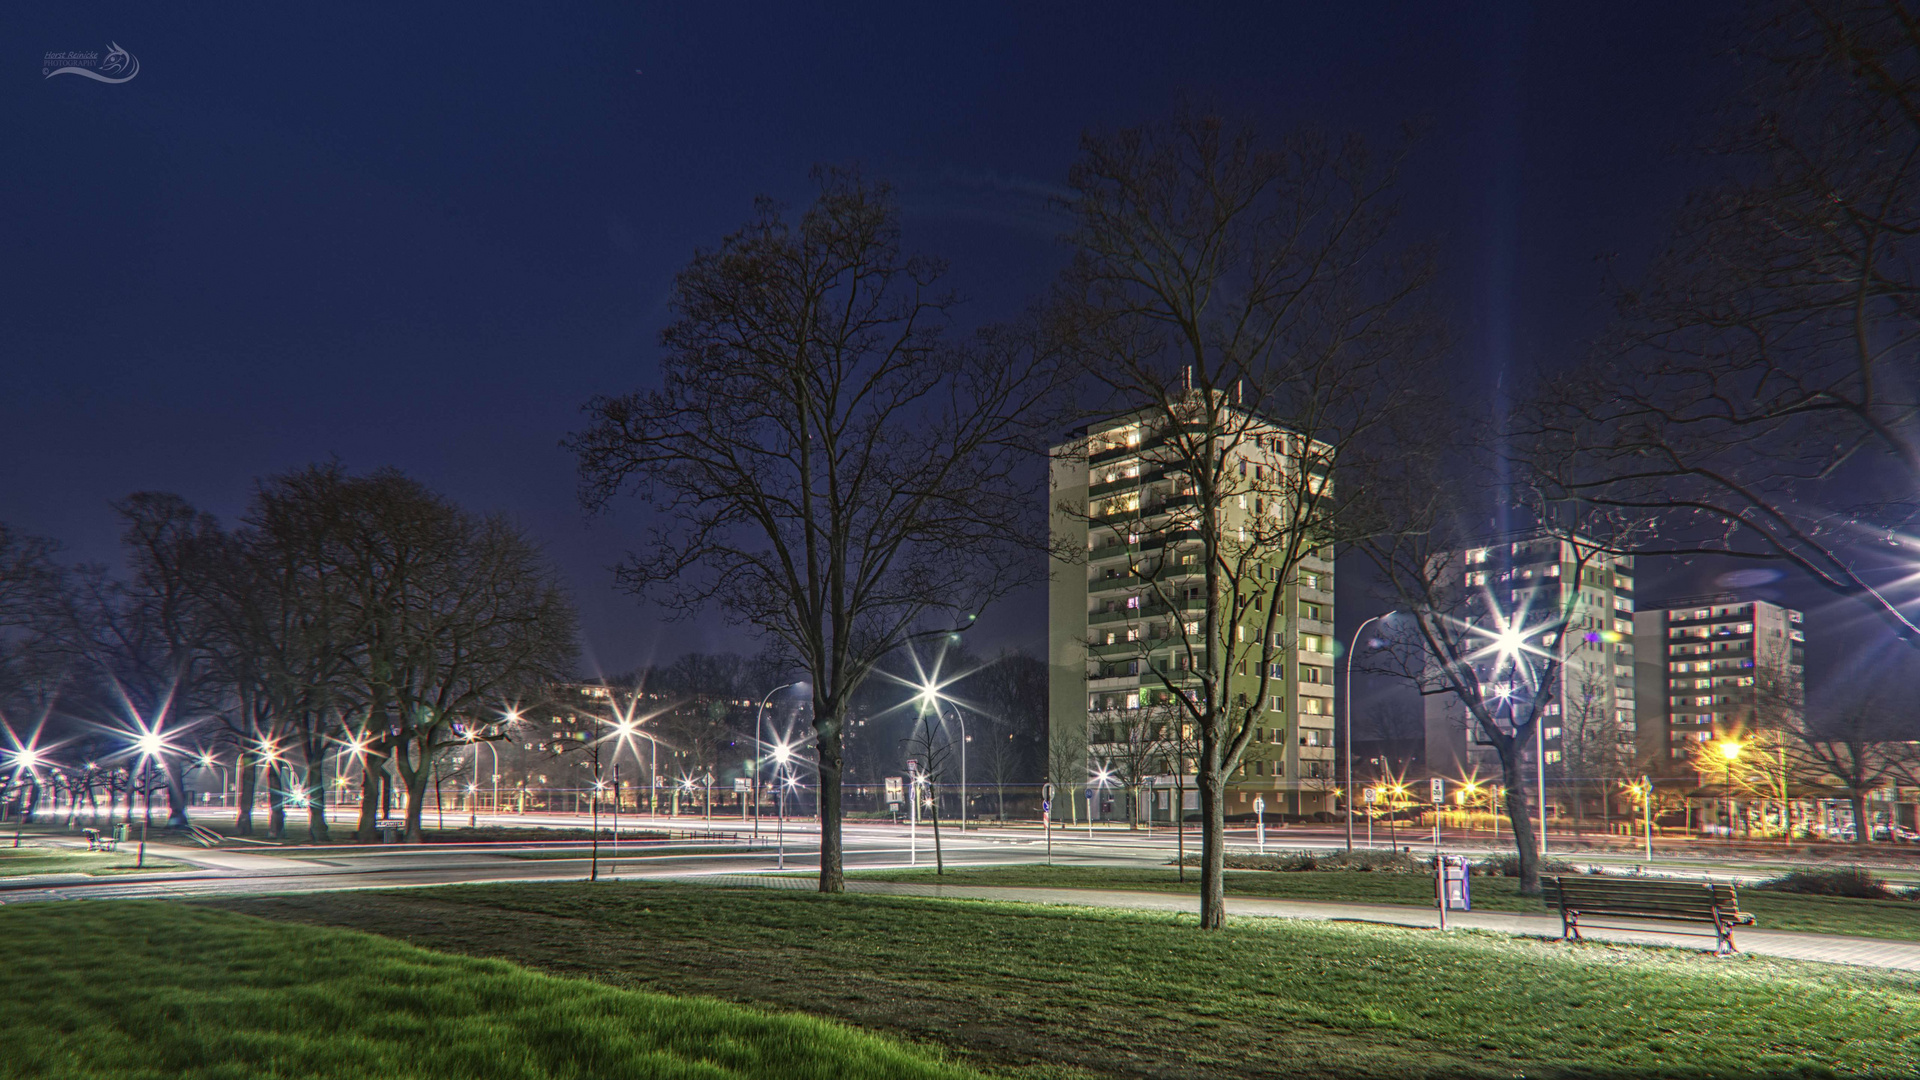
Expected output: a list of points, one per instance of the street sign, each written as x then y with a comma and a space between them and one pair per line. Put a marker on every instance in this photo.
1046, 806
741, 783
1259, 805
1439, 791
896, 789
1373, 796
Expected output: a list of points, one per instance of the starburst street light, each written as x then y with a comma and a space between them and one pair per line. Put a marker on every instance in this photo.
150, 743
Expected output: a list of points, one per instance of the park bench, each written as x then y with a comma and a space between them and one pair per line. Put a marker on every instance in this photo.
1590, 896
99, 841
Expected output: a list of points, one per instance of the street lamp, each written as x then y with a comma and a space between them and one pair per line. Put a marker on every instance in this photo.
930, 698
1729, 753
759, 740
1347, 738
1099, 779
782, 754
149, 744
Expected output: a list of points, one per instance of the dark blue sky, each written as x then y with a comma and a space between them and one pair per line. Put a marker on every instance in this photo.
422, 236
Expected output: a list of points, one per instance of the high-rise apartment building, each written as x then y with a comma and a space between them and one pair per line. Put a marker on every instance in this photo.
1122, 629
1716, 667
1587, 731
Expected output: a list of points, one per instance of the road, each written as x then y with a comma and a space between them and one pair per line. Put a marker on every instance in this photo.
240, 869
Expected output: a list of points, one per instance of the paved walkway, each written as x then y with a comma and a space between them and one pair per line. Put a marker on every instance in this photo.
1825, 948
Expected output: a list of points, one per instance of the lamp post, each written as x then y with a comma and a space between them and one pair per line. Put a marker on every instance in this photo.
149, 744
759, 737
1347, 737
1729, 753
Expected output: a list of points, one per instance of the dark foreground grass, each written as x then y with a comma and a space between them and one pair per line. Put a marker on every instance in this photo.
128, 989
1137, 995
1896, 920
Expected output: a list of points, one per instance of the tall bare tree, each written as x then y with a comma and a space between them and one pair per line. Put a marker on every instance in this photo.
824, 464
1758, 391
1240, 303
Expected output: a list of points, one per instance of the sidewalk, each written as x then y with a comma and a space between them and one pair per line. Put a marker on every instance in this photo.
1823, 948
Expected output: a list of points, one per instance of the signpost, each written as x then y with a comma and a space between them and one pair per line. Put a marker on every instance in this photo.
1260, 821
1046, 817
913, 812
1439, 801
1373, 796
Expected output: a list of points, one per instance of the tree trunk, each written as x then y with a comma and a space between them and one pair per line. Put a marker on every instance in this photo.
1525, 843
415, 780
245, 777
1862, 828
1180, 827
176, 795
828, 754
317, 791
370, 777
276, 804
939, 863
1213, 850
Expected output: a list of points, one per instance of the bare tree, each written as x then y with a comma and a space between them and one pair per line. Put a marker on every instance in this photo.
1137, 746
1592, 750
931, 747
1856, 749
1236, 305
826, 465
1499, 657
1758, 390
1009, 696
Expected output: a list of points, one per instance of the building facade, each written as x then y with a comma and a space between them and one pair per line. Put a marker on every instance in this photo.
1123, 628
1714, 668
1588, 729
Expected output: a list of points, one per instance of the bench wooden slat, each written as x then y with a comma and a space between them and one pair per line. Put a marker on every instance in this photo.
1712, 903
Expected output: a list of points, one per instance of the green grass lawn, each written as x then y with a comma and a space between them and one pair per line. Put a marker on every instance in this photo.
129, 989
1066, 991
1892, 919
15, 862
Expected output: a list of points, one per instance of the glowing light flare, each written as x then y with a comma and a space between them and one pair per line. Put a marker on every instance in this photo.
1730, 750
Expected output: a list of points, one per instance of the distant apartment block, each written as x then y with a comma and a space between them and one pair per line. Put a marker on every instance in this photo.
1588, 729
1118, 642
1712, 668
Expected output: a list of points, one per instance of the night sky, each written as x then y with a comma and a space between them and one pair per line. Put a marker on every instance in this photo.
423, 237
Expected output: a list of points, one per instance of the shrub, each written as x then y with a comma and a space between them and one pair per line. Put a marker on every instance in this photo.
1509, 866
1852, 881
1381, 862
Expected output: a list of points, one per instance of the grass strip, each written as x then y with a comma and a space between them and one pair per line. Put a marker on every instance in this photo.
1893, 920
16, 862
132, 989
1130, 994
